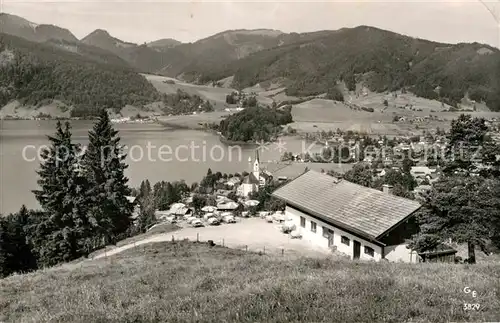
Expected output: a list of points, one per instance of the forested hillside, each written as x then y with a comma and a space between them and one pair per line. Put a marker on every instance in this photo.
201, 61
33, 73
91, 52
163, 44
306, 64
382, 59
211, 59
18, 26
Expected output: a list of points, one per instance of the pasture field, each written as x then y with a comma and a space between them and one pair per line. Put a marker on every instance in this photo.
195, 121
216, 95
321, 114
193, 282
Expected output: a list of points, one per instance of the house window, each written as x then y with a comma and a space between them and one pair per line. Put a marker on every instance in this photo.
369, 251
325, 232
303, 222
313, 226
344, 240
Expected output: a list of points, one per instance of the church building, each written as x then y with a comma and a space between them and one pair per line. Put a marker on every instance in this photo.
255, 179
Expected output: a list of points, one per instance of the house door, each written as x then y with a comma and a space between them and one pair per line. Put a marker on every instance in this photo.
356, 250
330, 238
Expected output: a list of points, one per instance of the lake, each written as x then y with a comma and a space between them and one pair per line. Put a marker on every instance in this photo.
154, 152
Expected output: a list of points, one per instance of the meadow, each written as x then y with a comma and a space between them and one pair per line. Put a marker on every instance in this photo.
320, 114
193, 282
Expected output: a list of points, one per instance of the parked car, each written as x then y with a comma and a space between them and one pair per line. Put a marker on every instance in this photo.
229, 219
279, 217
171, 219
196, 223
208, 216
213, 221
288, 227
263, 214
191, 219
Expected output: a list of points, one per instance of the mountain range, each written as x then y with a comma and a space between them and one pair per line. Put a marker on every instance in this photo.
305, 63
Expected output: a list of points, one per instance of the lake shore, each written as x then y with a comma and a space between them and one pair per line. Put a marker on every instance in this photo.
192, 121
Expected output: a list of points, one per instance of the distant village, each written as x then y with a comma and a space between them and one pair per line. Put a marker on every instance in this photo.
384, 154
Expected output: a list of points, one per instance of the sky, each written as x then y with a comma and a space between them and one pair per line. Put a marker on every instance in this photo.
139, 21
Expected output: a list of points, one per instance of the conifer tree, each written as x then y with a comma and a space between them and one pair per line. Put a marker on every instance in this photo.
168, 195
5, 250
104, 169
22, 259
146, 216
464, 204
62, 232
145, 189
464, 209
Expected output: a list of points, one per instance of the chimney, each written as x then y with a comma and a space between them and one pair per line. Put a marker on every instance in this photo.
386, 188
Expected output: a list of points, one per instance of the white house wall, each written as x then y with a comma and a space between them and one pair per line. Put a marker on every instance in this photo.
400, 253
318, 239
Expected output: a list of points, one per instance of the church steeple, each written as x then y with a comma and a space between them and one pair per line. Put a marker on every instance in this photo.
256, 165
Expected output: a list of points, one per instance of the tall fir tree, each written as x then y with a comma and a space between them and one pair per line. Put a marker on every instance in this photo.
464, 204
146, 217
24, 260
470, 149
145, 189
463, 209
104, 169
63, 231
5, 249
168, 196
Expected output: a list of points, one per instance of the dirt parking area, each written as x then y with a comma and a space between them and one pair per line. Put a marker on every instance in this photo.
251, 234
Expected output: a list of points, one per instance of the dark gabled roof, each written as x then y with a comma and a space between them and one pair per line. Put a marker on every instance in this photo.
251, 179
439, 249
365, 211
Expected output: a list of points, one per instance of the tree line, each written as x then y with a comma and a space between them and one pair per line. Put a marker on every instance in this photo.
182, 102
83, 199
402, 181
255, 123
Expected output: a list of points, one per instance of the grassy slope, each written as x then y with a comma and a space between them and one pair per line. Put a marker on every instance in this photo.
189, 282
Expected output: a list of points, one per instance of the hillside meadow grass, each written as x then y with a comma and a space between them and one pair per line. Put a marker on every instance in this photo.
193, 282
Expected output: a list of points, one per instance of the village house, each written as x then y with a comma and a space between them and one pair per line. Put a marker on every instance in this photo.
421, 173
233, 181
360, 222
